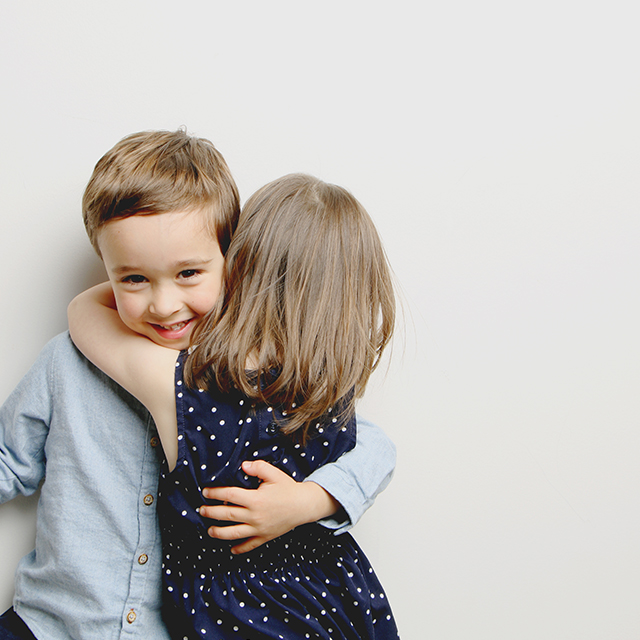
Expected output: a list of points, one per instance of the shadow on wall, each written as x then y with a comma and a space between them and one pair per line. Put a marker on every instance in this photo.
70, 276
93, 273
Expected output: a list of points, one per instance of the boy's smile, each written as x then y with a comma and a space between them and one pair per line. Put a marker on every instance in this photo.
166, 273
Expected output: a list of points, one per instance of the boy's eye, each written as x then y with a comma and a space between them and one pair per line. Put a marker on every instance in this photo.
134, 279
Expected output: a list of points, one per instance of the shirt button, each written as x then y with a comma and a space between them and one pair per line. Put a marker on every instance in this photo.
148, 500
131, 616
154, 441
142, 559
272, 428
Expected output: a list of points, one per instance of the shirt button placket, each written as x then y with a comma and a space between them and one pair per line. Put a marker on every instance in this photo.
144, 560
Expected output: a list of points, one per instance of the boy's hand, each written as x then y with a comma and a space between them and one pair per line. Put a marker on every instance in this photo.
278, 505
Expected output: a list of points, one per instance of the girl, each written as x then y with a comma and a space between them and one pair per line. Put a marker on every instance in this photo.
305, 312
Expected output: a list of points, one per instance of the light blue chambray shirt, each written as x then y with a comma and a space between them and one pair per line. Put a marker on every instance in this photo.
95, 571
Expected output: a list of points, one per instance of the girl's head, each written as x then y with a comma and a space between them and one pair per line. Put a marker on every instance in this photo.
307, 301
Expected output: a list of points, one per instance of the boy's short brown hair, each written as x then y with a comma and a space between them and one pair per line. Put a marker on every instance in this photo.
158, 172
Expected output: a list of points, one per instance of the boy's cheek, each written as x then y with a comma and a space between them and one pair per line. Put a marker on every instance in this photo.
204, 303
128, 312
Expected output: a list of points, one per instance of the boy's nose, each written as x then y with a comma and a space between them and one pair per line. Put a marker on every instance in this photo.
163, 304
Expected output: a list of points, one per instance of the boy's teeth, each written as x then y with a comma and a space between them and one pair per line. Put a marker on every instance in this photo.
174, 327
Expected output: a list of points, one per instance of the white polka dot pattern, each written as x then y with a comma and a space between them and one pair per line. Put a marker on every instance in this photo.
306, 584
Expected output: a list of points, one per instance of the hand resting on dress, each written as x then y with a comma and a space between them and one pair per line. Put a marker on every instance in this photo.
278, 505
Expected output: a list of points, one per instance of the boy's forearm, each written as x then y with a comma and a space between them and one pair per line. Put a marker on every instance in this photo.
22, 461
24, 427
100, 294
357, 477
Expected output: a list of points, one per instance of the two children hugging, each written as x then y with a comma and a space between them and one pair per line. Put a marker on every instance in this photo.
304, 311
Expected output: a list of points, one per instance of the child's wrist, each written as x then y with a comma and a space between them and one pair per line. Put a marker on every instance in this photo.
317, 503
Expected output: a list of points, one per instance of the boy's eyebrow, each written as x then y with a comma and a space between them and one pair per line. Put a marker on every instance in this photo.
192, 262
182, 264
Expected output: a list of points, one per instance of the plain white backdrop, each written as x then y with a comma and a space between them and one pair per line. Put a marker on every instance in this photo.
497, 147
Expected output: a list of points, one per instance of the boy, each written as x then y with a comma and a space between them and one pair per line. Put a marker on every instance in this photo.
95, 572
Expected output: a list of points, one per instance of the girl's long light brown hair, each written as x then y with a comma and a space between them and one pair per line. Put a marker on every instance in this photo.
307, 303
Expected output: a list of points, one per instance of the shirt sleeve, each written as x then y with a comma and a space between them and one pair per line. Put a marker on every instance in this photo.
356, 478
24, 427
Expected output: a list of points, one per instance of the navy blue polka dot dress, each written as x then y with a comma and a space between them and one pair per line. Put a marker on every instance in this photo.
308, 583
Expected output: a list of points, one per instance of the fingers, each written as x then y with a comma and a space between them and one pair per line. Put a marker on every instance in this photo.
249, 545
263, 470
228, 513
233, 495
267, 473
234, 532
238, 532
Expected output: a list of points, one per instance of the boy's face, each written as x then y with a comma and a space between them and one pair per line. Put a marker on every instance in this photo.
166, 273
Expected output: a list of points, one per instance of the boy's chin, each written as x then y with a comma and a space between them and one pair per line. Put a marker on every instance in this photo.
177, 345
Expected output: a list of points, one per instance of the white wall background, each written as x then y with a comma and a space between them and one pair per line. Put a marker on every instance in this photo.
497, 146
